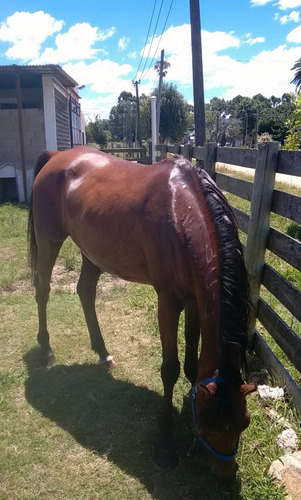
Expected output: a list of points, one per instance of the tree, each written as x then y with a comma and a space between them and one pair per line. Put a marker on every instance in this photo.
297, 78
123, 118
98, 132
273, 120
174, 115
166, 65
293, 138
241, 108
216, 112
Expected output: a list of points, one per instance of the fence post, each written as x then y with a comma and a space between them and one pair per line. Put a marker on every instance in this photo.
164, 151
259, 222
187, 151
210, 158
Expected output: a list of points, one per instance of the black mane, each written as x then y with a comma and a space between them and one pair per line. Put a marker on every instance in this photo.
235, 301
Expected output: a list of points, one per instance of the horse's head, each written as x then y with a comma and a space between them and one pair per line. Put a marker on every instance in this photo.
220, 417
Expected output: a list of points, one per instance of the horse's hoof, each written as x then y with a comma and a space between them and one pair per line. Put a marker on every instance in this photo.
47, 358
108, 363
166, 457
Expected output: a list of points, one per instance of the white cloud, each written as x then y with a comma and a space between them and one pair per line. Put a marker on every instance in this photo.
26, 32
123, 43
260, 2
267, 73
289, 4
104, 76
282, 4
253, 41
295, 35
75, 44
133, 55
294, 16
177, 45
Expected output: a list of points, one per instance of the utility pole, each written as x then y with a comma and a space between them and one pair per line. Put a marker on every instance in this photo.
154, 127
138, 128
159, 93
197, 71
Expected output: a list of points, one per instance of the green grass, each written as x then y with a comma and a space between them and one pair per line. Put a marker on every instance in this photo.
72, 431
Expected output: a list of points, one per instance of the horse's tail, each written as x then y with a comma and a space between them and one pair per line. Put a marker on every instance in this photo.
32, 244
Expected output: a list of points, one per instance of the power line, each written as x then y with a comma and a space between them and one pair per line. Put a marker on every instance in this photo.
151, 63
152, 39
146, 39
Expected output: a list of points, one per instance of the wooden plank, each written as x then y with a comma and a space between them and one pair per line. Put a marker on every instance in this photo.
175, 149
259, 223
235, 156
198, 152
239, 187
210, 158
289, 162
277, 370
123, 150
281, 333
283, 290
287, 205
285, 247
186, 151
242, 219
163, 152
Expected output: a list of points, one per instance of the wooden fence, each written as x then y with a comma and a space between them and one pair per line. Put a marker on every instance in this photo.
264, 198
131, 154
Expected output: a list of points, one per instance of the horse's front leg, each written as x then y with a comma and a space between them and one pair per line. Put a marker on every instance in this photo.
86, 289
192, 337
168, 313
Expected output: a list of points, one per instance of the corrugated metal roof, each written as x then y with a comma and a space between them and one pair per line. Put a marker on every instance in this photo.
47, 69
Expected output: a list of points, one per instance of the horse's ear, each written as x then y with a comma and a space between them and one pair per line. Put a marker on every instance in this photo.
246, 389
206, 392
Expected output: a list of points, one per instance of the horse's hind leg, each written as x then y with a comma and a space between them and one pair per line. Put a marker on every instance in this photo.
46, 256
86, 289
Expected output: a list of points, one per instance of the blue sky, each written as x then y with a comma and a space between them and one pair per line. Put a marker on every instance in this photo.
249, 46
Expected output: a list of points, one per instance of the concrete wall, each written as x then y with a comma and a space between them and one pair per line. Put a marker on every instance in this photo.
33, 131
10, 153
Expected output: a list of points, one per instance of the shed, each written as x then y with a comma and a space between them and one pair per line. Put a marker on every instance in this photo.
39, 109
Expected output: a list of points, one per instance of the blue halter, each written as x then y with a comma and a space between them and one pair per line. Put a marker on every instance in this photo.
203, 441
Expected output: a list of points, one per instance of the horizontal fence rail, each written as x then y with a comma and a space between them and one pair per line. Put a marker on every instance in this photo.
264, 199
131, 154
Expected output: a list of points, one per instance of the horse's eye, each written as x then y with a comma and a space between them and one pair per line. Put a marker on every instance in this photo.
228, 427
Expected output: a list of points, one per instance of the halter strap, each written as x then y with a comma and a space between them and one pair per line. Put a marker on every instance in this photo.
193, 391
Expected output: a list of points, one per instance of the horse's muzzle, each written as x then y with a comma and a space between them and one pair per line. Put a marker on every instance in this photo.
224, 471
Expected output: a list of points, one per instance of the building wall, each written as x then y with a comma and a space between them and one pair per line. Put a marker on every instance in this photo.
10, 152
33, 131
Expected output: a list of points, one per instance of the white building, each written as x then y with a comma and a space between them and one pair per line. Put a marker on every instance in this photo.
39, 109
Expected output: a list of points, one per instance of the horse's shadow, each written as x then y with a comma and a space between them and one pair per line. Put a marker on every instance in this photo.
118, 420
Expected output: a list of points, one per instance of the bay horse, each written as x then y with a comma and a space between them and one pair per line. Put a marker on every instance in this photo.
167, 225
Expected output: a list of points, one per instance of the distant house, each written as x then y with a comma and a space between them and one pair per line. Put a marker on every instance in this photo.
39, 109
